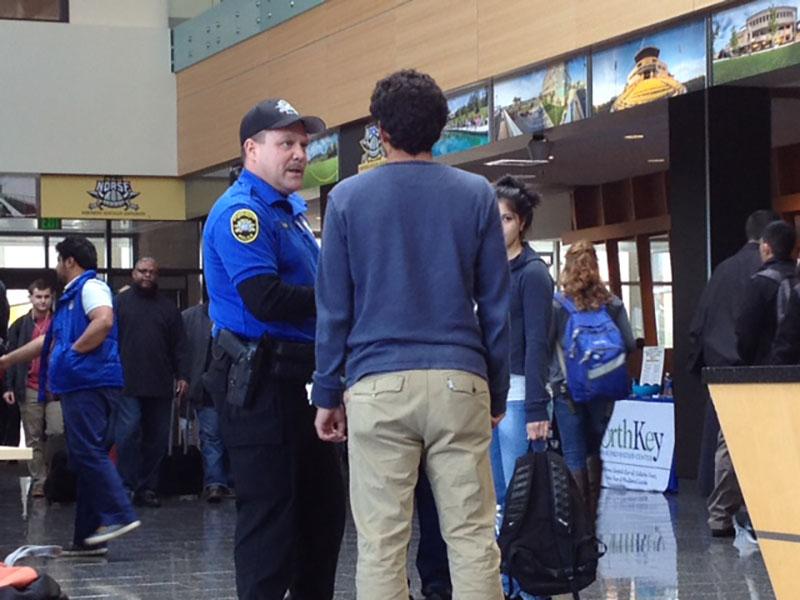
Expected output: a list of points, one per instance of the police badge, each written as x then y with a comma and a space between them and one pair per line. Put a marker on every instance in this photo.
244, 225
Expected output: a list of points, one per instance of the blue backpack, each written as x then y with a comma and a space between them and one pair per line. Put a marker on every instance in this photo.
592, 355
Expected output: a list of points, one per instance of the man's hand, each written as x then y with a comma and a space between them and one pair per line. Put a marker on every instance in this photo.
9, 398
538, 430
181, 388
496, 420
331, 424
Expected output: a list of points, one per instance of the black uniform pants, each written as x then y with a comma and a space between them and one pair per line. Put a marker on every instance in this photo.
290, 503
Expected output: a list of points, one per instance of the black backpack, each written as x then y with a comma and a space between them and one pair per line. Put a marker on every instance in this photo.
785, 286
546, 541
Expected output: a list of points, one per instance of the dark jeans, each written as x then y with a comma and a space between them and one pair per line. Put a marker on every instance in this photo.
101, 499
141, 433
581, 427
432, 566
215, 471
290, 502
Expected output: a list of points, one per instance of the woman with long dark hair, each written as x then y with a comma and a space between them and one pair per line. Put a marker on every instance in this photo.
582, 425
531, 297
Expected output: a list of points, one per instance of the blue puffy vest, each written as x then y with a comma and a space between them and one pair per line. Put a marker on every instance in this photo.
70, 371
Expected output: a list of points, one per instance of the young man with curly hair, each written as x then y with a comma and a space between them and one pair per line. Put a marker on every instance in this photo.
409, 250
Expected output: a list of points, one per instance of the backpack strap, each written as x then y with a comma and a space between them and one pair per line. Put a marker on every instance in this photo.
565, 302
772, 274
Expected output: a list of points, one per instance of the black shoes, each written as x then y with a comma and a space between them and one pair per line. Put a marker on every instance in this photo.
724, 532
214, 494
146, 498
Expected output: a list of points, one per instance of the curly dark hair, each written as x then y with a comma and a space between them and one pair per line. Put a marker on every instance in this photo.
411, 108
519, 197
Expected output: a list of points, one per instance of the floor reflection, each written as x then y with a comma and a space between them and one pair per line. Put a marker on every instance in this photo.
658, 549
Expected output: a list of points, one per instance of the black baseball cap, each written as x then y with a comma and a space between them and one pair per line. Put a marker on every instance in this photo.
275, 113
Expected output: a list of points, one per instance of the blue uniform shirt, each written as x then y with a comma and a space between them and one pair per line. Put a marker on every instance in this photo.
252, 230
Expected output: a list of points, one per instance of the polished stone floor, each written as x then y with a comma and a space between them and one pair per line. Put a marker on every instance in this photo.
658, 548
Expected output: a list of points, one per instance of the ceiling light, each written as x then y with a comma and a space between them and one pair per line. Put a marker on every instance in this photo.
525, 176
656, 161
510, 162
634, 136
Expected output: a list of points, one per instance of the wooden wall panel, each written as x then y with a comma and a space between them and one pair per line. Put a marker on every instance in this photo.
420, 44
328, 59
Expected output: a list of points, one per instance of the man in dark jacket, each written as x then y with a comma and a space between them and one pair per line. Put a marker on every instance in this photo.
758, 319
755, 330
197, 324
153, 349
39, 419
786, 346
712, 336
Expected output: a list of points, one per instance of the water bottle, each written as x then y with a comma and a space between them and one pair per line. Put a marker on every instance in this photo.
667, 386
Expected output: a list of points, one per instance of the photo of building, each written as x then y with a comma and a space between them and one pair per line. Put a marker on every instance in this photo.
649, 80
540, 99
661, 65
754, 38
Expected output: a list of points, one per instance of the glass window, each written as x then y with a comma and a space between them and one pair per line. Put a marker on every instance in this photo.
18, 252
628, 262
660, 259
99, 244
35, 10
632, 298
121, 253
662, 289
662, 295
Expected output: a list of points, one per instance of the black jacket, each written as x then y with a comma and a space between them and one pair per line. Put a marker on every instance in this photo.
197, 325
712, 334
758, 319
19, 334
531, 301
786, 346
152, 343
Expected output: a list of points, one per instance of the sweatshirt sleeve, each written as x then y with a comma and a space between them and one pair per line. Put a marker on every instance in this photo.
492, 295
536, 288
334, 297
624, 324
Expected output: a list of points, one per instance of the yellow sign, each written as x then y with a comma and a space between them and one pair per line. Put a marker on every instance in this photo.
113, 197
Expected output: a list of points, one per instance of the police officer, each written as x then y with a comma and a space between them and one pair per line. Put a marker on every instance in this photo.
260, 260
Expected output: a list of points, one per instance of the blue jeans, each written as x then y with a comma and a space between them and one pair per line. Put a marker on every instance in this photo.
509, 442
214, 472
101, 499
141, 433
581, 427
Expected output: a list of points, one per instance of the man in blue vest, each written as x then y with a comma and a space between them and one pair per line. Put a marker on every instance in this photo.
81, 358
259, 261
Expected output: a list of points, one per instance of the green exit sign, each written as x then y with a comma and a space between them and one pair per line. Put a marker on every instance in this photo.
49, 223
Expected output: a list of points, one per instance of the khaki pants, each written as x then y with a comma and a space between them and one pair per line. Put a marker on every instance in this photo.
394, 419
726, 499
39, 420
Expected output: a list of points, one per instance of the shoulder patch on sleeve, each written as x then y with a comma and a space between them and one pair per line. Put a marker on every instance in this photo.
244, 225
